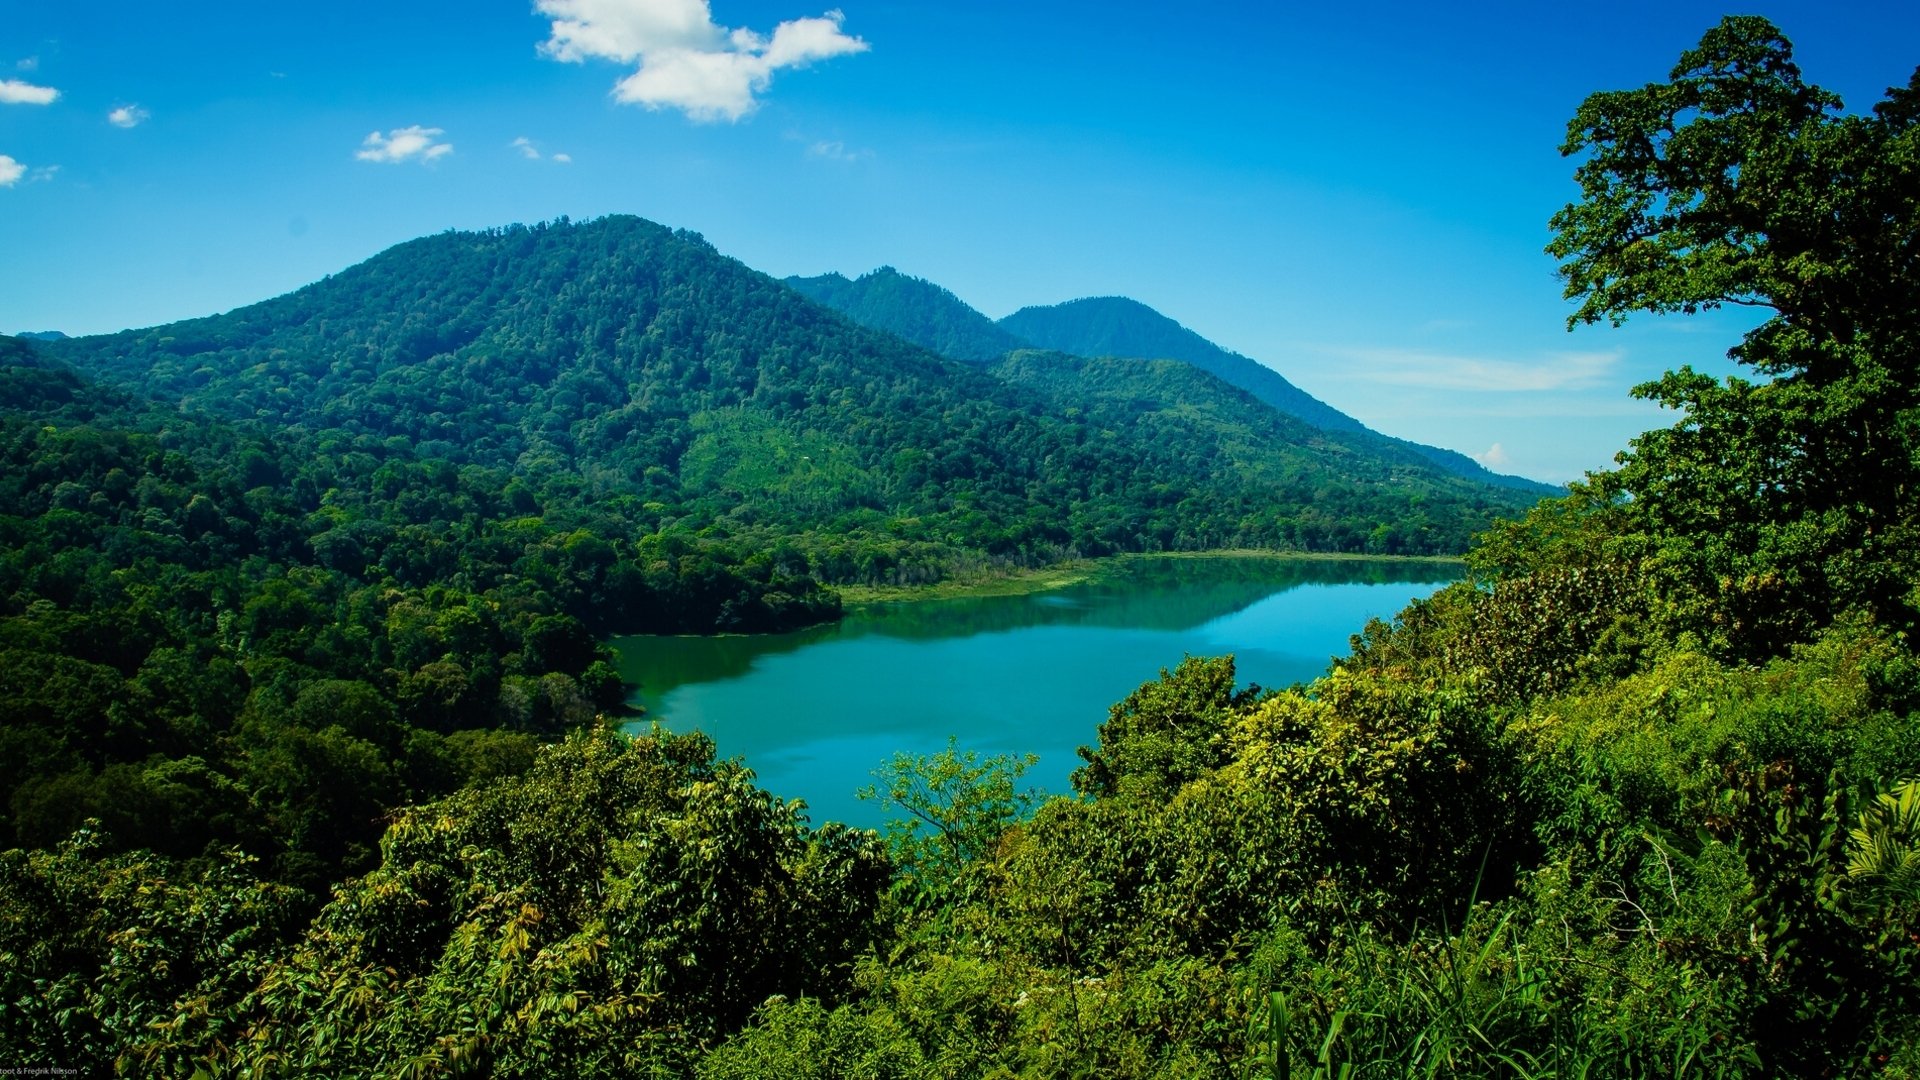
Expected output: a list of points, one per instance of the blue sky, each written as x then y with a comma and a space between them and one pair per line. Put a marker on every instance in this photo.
1355, 195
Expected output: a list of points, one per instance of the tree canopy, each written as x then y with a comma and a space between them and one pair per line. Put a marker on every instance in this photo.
1774, 502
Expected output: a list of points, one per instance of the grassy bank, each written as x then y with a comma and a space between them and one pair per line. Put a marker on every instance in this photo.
1044, 579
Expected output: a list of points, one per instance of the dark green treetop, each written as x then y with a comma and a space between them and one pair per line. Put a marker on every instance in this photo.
1736, 182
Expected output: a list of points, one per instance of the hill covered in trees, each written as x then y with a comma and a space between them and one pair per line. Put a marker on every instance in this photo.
1117, 326
1105, 327
914, 309
636, 368
1640, 799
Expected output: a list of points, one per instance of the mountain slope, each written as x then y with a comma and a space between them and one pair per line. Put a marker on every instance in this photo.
911, 308
637, 368
1117, 326
1173, 404
933, 318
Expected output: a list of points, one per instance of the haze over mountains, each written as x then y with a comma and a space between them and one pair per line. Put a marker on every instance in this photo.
1107, 326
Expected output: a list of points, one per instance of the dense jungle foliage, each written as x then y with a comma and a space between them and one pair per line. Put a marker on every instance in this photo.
217, 636
1641, 799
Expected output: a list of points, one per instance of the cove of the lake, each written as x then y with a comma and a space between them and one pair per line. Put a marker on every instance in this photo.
815, 711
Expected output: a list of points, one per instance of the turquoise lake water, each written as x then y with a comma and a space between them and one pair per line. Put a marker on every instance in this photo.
815, 711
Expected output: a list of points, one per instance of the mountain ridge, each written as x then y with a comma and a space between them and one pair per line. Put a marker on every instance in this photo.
912, 308
1119, 326
638, 366
887, 299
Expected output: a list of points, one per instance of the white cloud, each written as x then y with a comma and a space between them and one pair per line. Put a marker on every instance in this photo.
413, 143
531, 151
126, 116
10, 171
21, 92
686, 60
1495, 457
1441, 371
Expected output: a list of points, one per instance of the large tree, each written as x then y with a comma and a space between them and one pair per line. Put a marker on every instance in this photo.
1778, 502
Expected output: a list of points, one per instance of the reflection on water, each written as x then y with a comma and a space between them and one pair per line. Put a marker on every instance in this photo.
814, 711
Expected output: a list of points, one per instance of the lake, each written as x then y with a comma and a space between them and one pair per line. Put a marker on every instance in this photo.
813, 712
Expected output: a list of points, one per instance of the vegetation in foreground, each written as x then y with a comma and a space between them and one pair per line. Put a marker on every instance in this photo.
1640, 800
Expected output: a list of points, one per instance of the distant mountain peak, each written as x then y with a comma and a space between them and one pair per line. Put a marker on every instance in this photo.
1121, 326
912, 308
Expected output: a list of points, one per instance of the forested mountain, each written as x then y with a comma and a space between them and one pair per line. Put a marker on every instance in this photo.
1173, 404
1117, 326
638, 368
933, 318
914, 309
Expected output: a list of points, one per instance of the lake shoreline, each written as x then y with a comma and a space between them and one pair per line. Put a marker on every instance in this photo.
814, 711
1060, 576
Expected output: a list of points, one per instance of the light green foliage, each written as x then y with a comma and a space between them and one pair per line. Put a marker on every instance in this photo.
1883, 853
610, 911
949, 809
769, 465
1165, 733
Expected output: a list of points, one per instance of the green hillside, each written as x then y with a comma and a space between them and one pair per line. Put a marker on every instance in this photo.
635, 368
1117, 326
1179, 407
935, 319
914, 309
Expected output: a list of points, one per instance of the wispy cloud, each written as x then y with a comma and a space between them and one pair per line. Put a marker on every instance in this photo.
10, 171
531, 151
1445, 371
21, 92
126, 116
686, 60
413, 143
836, 151
42, 173
28, 64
